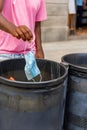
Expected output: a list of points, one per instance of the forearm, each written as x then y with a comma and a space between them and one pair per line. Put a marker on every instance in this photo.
84, 4
20, 32
38, 41
5, 25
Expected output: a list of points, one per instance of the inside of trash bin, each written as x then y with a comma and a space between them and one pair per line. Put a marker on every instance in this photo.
14, 69
79, 59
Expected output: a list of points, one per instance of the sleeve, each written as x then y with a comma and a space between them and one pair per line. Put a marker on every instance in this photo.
41, 14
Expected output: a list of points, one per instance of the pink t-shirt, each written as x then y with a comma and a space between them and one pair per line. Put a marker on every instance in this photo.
21, 12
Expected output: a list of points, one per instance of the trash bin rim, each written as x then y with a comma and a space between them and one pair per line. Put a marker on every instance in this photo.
73, 66
28, 85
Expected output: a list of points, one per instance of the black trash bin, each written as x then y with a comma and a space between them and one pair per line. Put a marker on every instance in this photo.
76, 101
27, 105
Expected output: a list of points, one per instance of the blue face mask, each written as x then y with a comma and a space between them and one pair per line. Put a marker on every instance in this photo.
31, 69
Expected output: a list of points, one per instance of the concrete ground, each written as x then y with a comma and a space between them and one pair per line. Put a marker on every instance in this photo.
55, 50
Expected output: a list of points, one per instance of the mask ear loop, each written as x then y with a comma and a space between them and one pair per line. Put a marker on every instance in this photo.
39, 74
39, 80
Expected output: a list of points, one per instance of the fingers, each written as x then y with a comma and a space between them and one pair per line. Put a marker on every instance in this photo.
24, 33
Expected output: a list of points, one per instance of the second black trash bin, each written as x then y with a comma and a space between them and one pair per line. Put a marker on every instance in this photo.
32, 105
76, 103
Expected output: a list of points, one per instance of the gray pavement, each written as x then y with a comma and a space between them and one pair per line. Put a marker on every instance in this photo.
55, 50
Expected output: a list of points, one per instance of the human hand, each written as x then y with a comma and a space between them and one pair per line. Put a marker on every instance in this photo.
39, 54
21, 32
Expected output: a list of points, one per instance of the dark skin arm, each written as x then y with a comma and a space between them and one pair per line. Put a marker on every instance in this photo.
38, 42
84, 4
20, 32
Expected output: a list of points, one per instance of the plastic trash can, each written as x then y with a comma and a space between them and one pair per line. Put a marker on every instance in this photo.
27, 105
76, 101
